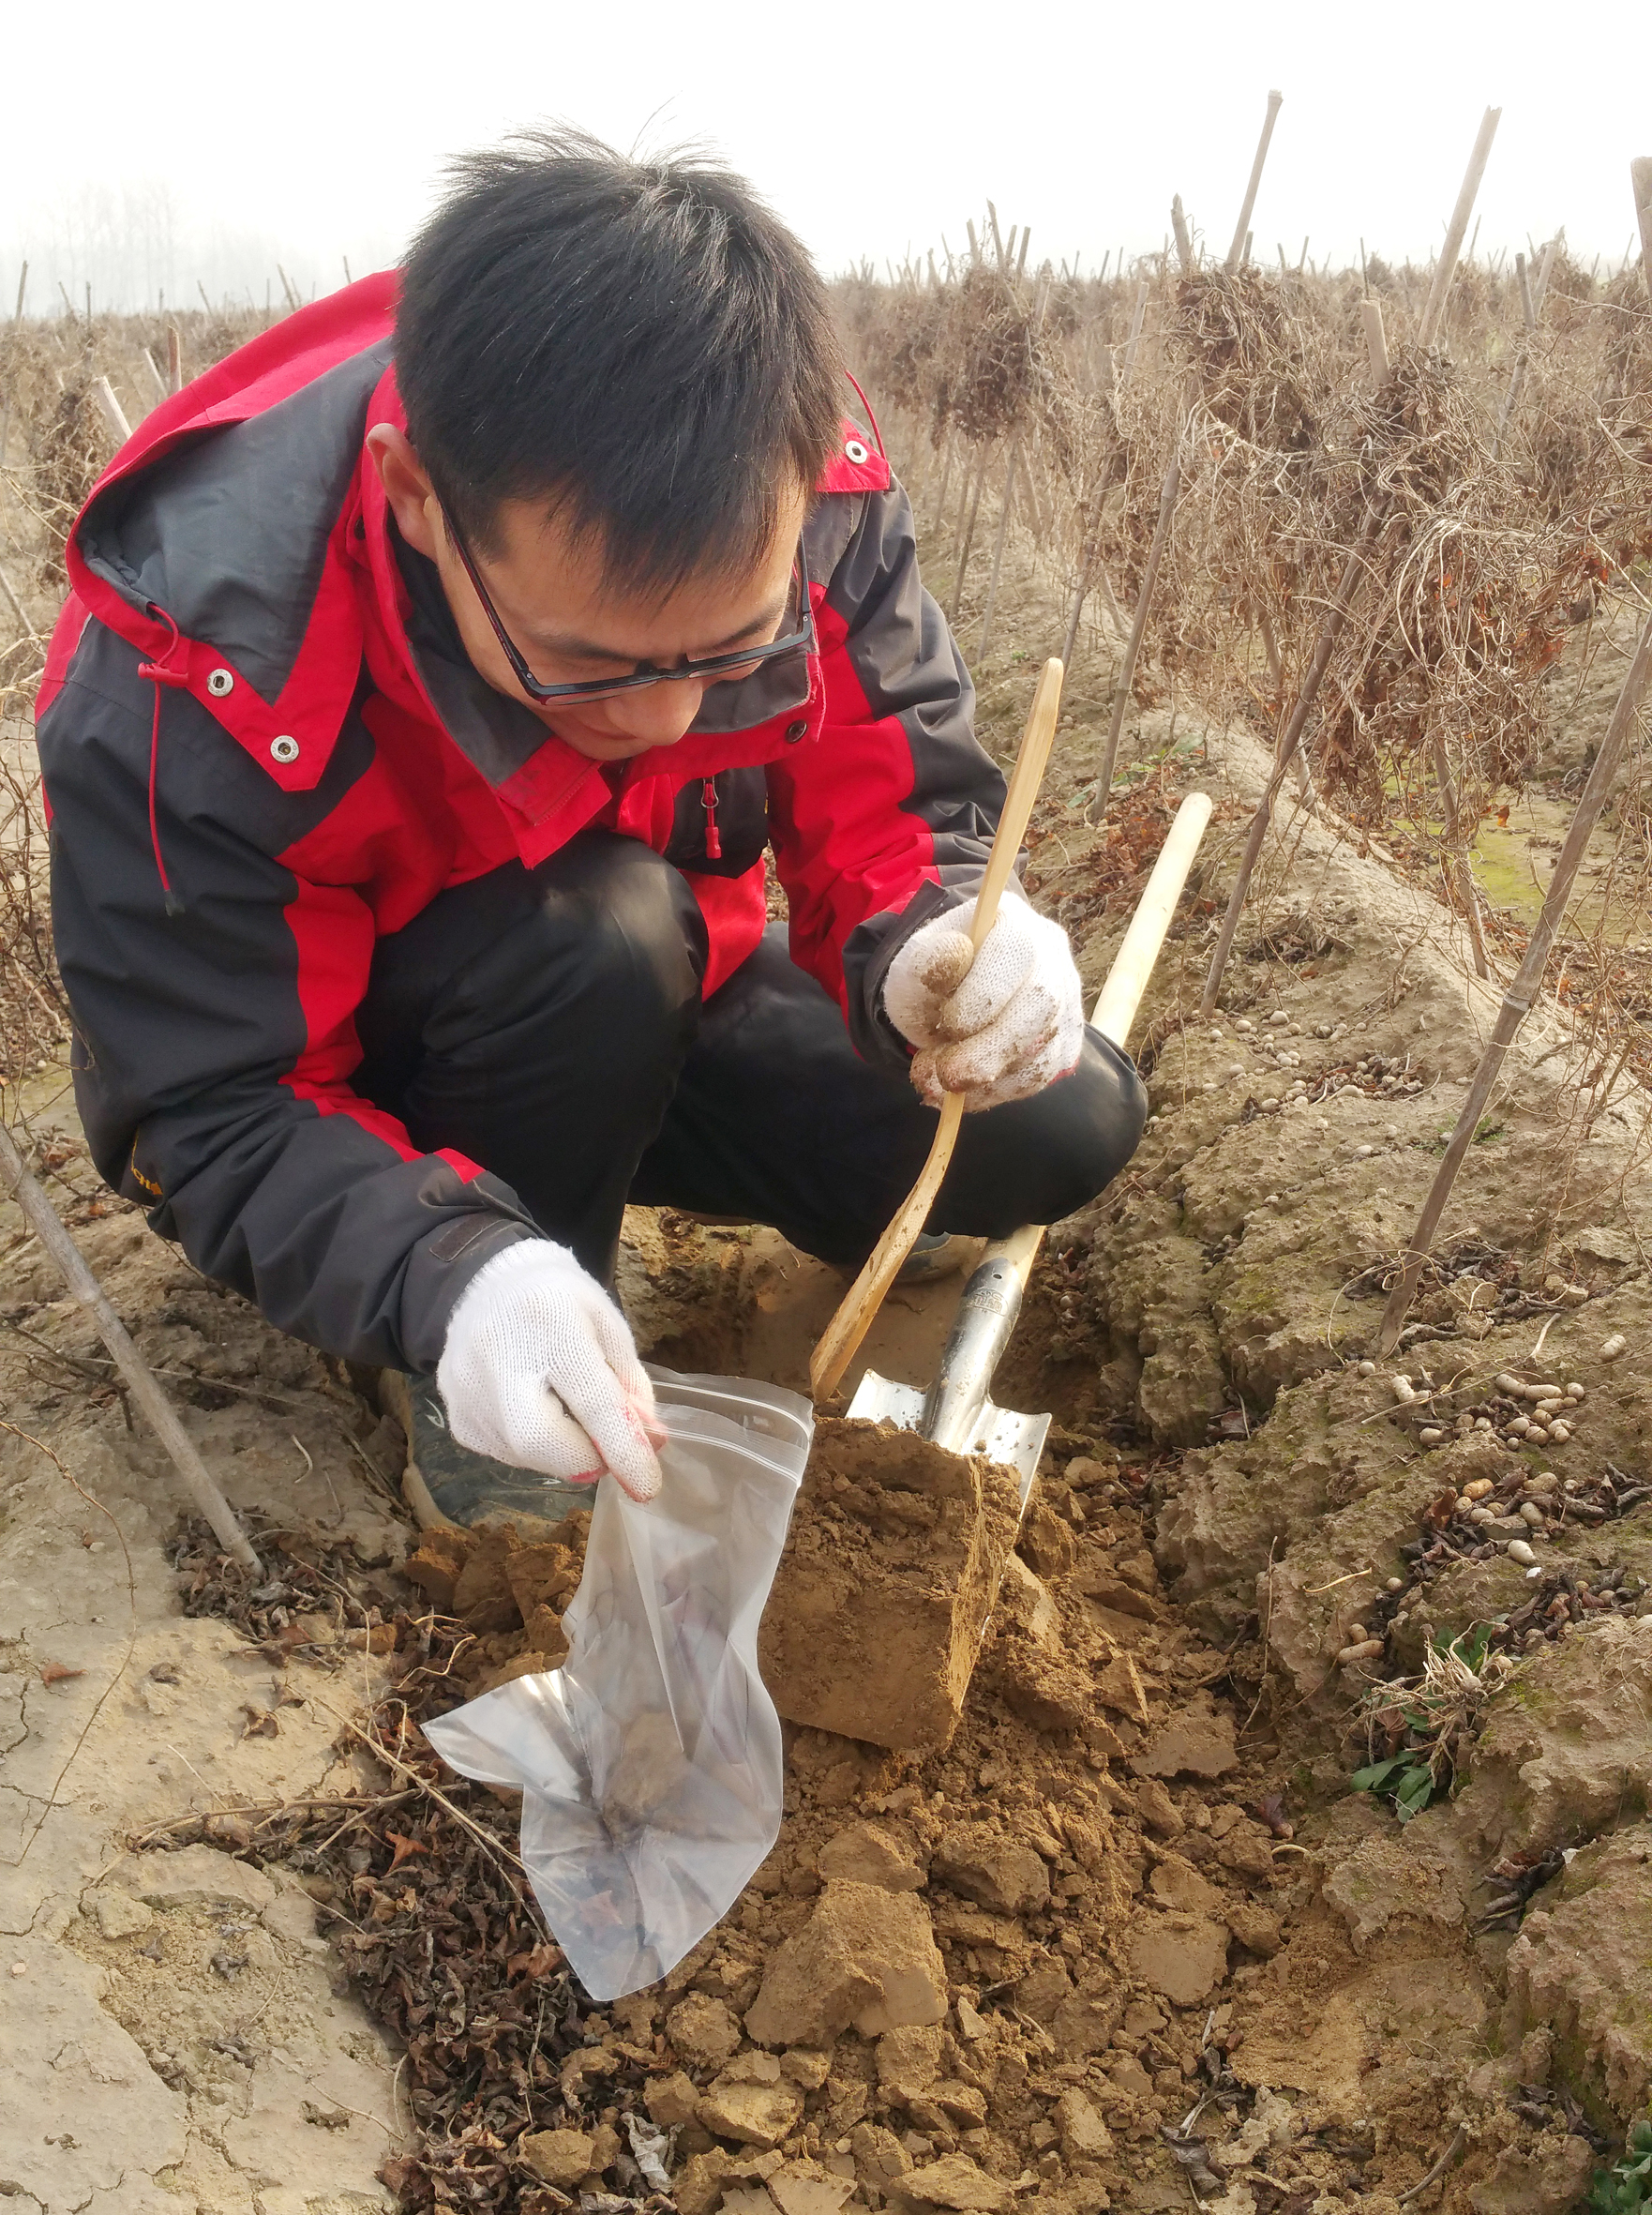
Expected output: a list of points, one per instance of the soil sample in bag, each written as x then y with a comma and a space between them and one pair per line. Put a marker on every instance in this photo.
882, 1599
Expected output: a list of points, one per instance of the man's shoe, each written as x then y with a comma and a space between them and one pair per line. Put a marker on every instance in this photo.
446, 1486
937, 1253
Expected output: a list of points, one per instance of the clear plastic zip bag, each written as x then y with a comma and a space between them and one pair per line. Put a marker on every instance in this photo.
649, 1763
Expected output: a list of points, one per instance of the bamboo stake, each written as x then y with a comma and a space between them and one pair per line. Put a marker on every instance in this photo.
1289, 738
1184, 245
1242, 229
968, 542
112, 411
23, 286
175, 357
18, 610
1121, 683
1529, 324
155, 376
1446, 267
1527, 983
997, 549
1376, 345
43, 1221
1641, 178
1137, 315
860, 1305
1457, 862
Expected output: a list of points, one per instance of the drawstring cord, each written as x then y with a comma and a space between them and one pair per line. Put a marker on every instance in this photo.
159, 674
708, 800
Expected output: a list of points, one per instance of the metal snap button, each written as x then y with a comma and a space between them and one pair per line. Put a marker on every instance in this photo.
220, 682
794, 731
856, 451
283, 750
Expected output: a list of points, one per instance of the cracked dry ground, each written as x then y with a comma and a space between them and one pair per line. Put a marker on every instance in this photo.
1129, 1938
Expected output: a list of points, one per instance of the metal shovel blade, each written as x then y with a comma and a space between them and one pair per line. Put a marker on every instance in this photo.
999, 1433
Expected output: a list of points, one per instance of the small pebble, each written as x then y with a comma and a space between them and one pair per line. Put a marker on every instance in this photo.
1390, 1130
1614, 1346
1394, 1584
20, 1969
1271, 1201
1518, 1551
1535, 1575
1269, 1105
1363, 1152
1235, 1069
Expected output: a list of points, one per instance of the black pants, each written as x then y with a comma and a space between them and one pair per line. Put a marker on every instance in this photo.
549, 1024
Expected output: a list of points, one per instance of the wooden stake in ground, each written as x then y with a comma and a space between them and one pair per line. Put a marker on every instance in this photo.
1446, 267
112, 411
18, 609
1242, 230
1184, 245
1527, 983
42, 1220
1285, 752
1458, 870
1126, 677
1376, 345
1641, 177
861, 1302
997, 549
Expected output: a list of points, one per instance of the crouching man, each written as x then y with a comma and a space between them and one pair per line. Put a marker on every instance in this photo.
436, 672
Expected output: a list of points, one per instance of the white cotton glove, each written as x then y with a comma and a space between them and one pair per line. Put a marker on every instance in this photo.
539, 1370
999, 1027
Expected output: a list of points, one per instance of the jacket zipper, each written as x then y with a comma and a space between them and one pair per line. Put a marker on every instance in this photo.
708, 800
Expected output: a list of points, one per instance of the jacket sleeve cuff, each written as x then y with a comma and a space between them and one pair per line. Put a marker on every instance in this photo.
440, 1271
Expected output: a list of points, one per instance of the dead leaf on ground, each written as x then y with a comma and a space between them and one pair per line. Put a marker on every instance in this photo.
58, 1672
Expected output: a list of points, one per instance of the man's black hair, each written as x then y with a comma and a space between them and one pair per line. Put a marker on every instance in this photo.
642, 344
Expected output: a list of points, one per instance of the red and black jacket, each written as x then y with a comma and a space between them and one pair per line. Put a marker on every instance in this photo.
263, 750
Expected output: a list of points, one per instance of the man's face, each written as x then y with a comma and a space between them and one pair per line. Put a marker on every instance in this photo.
574, 626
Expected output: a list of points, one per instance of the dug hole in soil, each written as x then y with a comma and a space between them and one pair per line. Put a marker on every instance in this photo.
1104, 1924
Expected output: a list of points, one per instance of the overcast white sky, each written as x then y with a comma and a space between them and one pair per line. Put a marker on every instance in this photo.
209, 141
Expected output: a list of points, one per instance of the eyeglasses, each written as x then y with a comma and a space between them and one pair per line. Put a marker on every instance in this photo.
798, 638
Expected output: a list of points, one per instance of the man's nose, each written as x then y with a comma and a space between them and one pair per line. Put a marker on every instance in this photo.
658, 714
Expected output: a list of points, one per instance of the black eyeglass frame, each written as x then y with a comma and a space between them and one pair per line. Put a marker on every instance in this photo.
715, 666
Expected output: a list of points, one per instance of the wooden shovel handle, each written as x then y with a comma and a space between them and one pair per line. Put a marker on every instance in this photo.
865, 1296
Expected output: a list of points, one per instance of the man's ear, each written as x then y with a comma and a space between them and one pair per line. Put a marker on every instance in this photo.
408, 490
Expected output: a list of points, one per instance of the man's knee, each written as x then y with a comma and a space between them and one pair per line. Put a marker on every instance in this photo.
616, 931
601, 948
